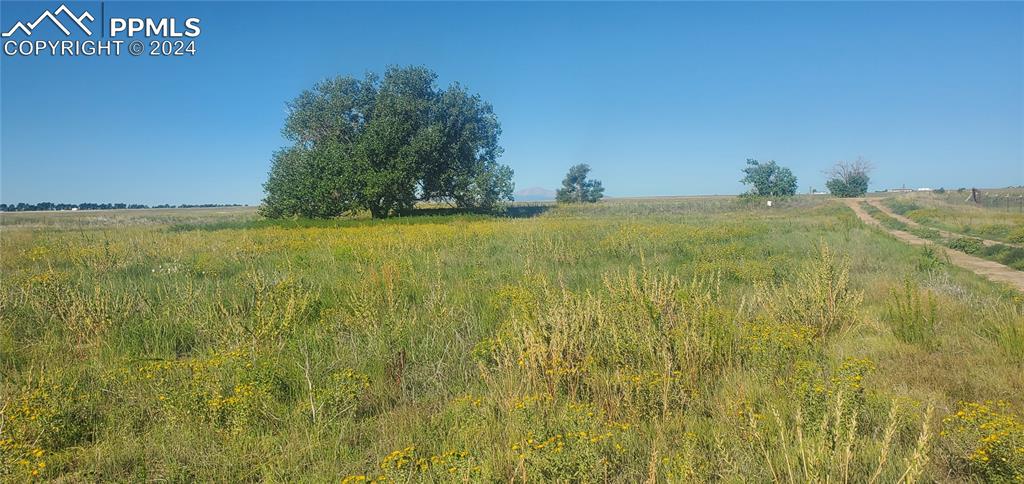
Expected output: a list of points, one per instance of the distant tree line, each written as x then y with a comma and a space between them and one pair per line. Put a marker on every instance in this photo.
50, 206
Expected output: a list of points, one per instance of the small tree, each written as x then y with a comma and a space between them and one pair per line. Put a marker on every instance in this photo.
769, 179
849, 178
576, 188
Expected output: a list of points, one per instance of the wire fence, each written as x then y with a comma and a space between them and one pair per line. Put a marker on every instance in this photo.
1008, 201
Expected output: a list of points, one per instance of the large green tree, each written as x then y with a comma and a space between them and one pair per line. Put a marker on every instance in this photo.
383, 144
577, 188
769, 179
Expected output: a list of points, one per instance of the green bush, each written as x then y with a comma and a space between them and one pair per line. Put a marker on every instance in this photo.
1016, 236
912, 314
1004, 254
926, 233
931, 258
901, 206
967, 245
822, 298
986, 440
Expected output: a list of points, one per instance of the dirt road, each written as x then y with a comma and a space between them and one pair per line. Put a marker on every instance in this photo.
994, 271
875, 202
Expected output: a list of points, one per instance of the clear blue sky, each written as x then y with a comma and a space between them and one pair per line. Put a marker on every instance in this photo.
659, 98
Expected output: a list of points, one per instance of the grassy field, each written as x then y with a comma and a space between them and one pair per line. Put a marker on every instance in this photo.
1006, 200
967, 224
673, 340
940, 211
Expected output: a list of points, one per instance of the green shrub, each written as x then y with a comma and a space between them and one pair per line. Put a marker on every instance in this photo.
901, 206
1004, 254
931, 258
821, 297
222, 391
912, 313
772, 349
576, 444
967, 245
1016, 236
341, 395
926, 233
986, 440
925, 216
49, 413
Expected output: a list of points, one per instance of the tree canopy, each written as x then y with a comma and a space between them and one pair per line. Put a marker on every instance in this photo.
383, 144
849, 179
576, 188
769, 179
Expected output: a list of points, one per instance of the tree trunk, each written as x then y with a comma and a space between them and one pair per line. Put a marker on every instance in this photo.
377, 211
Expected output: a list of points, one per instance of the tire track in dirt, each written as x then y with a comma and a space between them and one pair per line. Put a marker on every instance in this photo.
875, 202
993, 271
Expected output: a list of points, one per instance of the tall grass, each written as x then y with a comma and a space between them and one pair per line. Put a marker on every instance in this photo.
993, 219
648, 340
913, 314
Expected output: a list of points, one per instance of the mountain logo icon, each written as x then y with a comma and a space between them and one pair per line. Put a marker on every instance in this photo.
27, 28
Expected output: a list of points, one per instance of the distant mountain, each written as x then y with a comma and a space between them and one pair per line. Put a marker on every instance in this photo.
534, 194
